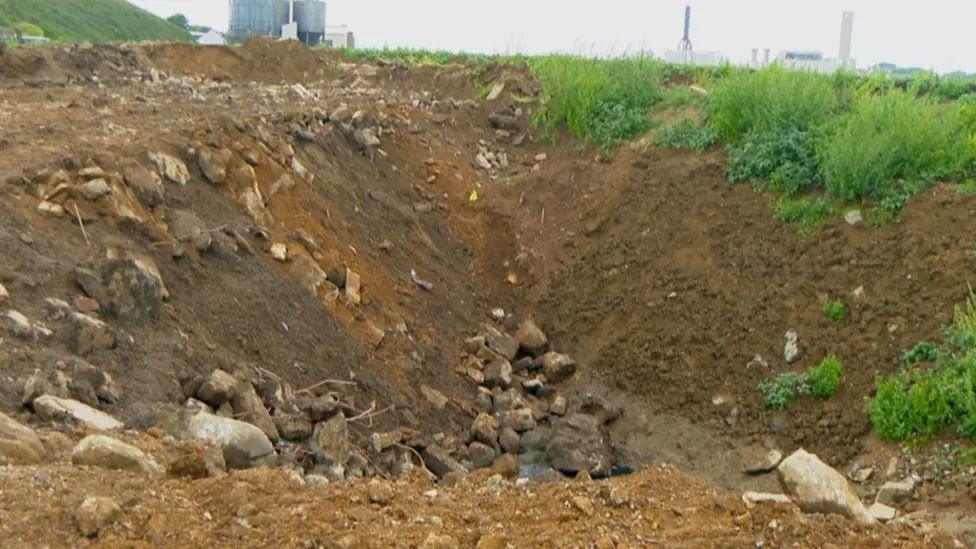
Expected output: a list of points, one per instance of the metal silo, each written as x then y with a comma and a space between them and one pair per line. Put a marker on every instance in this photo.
310, 16
252, 17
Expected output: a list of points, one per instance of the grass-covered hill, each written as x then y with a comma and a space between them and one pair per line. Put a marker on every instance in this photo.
96, 21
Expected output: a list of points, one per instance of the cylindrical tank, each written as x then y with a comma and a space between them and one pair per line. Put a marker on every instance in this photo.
253, 17
310, 15
282, 14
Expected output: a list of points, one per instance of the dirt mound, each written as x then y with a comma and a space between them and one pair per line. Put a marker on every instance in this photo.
68, 62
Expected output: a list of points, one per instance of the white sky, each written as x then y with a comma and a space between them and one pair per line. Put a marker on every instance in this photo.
934, 34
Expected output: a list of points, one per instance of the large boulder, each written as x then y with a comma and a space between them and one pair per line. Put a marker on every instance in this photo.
109, 453
19, 445
577, 444
129, 288
244, 445
52, 408
817, 488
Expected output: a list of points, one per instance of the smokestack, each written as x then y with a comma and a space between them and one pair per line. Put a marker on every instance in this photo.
846, 33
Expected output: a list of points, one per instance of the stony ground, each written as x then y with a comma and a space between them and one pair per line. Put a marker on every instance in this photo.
365, 294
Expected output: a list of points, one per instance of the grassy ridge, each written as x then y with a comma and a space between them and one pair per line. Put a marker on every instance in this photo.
97, 21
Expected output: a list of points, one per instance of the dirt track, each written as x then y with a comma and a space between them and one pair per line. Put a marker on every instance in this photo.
663, 279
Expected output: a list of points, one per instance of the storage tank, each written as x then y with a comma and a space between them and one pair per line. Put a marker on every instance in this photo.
310, 16
258, 17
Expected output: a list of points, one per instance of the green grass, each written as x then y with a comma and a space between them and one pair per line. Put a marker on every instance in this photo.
833, 309
785, 159
96, 21
421, 57
807, 213
686, 134
605, 101
925, 402
825, 377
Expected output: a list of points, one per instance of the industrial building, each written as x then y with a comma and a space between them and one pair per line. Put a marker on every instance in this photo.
686, 54
298, 19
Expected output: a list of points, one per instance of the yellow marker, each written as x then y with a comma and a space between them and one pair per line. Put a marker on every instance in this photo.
474, 196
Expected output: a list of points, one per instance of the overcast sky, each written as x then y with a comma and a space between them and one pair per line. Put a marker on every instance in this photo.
935, 34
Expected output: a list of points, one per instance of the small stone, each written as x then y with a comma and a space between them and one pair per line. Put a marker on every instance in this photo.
509, 440
862, 475
170, 168
558, 367
4, 294
50, 209
474, 344
95, 189
353, 288
279, 252
19, 445
440, 541
751, 499
435, 397
440, 462
895, 492
558, 406
485, 429
531, 339
498, 374
380, 491
217, 388
882, 512
482, 455
853, 217
97, 514
520, 420
88, 334
766, 464
92, 172
584, 505
86, 305
292, 427
20, 325
791, 351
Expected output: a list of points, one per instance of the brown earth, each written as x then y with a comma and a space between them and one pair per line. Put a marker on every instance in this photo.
661, 277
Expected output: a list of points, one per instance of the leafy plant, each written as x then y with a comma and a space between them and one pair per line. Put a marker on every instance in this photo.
825, 377
780, 392
833, 309
687, 134
806, 213
923, 351
786, 158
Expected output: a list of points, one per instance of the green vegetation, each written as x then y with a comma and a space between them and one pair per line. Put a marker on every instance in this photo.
420, 57
96, 21
786, 160
820, 381
780, 392
825, 377
179, 20
919, 402
28, 29
687, 134
833, 309
807, 213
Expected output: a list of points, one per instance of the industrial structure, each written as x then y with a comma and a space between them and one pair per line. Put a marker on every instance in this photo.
815, 60
298, 19
686, 54
340, 37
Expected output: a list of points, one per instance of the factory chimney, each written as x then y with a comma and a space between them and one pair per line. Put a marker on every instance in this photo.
846, 32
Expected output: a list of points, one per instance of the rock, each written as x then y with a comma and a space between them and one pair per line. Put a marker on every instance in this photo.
88, 334
380, 491
498, 373
584, 505
51, 408
507, 401
219, 387
50, 209
316, 480
577, 444
213, 164
292, 427
95, 189
279, 252
474, 344
882, 512
495, 540
92, 172
558, 406
558, 367
435, 397
330, 440
97, 514
131, 289
861, 475
440, 462
170, 168
109, 453
520, 420
483, 403
817, 488
853, 217
85, 305
243, 445
531, 339
509, 440
895, 492
365, 138
145, 184
202, 462
482, 455
767, 464
186, 226
249, 407
751, 499
791, 352
36, 385
440, 541
21, 326
503, 344
485, 429
321, 408
19, 445
353, 287
94, 380
4, 294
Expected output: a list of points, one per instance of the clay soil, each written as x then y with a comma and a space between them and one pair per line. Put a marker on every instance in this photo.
662, 278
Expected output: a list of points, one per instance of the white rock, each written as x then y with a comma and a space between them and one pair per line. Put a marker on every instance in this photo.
170, 168
243, 444
51, 408
19, 445
20, 325
96, 514
882, 512
791, 351
109, 453
50, 209
496, 92
853, 217
751, 499
817, 488
895, 492
279, 252
95, 189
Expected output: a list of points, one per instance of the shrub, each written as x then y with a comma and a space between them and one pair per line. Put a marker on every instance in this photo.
806, 213
786, 158
894, 137
778, 393
687, 134
29, 29
769, 100
604, 100
833, 309
825, 377
923, 351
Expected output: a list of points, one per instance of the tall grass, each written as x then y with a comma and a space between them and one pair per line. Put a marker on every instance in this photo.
604, 100
894, 137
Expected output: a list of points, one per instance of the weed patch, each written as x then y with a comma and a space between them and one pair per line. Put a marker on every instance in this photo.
833, 309
807, 214
780, 392
825, 377
687, 134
